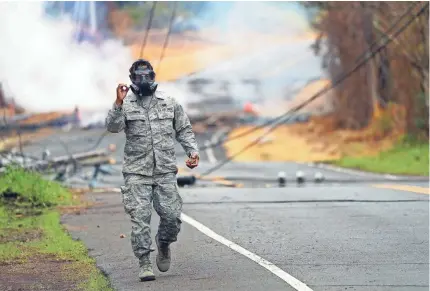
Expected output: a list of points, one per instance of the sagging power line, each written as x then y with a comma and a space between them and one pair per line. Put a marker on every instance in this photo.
281, 117
142, 50
148, 28
369, 54
166, 40
324, 90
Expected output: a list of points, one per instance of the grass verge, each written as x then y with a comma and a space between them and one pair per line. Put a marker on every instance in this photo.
405, 158
36, 253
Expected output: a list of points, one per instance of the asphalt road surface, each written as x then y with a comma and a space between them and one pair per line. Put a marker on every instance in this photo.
346, 233
306, 236
280, 69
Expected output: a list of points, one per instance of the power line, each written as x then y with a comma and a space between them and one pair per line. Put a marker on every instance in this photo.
166, 41
98, 142
142, 49
278, 118
335, 83
386, 33
148, 28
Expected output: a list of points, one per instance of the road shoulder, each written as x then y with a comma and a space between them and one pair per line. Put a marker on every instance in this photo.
199, 262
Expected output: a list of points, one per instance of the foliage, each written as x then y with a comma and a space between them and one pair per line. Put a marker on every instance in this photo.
399, 73
408, 157
27, 213
33, 188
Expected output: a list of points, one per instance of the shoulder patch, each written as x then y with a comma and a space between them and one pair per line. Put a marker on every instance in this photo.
160, 95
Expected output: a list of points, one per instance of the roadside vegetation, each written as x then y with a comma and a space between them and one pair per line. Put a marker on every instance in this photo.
405, 158
380, 147
36, 252
386, 99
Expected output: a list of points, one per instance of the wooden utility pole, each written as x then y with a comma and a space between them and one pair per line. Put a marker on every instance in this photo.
372, 77
3, 103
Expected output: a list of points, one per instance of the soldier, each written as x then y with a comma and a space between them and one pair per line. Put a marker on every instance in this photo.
151, 121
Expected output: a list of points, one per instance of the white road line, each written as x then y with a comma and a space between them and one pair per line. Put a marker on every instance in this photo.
215, 138
290, 280
217, 135
210, 153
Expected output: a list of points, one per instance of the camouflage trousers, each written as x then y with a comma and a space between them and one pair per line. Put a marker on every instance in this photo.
138, 195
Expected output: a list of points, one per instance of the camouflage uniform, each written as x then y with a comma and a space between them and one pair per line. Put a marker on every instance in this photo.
149, 167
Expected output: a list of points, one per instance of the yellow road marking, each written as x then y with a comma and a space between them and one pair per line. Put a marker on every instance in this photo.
409, 188
228, 183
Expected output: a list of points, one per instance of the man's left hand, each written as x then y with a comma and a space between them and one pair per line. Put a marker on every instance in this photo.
193, 161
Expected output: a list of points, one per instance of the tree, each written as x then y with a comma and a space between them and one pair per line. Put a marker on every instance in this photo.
398, 74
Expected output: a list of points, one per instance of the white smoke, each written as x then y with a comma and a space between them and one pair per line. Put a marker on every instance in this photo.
270, 43
246, 22
44, 70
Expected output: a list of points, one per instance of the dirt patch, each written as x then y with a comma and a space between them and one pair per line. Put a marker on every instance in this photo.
75, 227
76, 210
41, 117
20, 235
81, 204
40, 272
12, 140
283, 144
316, 140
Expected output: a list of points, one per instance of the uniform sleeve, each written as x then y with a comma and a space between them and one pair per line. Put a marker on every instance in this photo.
115, 120
184, 132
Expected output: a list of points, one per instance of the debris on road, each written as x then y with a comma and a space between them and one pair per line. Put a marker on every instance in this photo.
282, 179
186, 180
61, 167
300, 177
318, 177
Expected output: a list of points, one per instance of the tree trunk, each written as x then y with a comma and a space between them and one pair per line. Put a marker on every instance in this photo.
372, 83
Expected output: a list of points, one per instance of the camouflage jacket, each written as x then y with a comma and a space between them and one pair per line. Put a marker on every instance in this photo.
150, 132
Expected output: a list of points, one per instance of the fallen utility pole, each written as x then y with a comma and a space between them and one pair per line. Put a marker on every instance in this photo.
63, 167
80, 156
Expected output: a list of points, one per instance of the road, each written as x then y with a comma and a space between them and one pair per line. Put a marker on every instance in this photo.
280, 69
343, 234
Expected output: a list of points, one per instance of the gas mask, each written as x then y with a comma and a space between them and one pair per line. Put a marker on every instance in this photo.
142, 77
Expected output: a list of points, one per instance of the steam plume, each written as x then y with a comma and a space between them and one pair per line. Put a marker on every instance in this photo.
44, 70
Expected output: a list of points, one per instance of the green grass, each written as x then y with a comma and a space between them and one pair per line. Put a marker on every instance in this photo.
405, 158
34, 188
35, 207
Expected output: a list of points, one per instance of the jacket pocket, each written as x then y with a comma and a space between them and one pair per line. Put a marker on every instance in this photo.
136, 124
165, 120
128, 199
